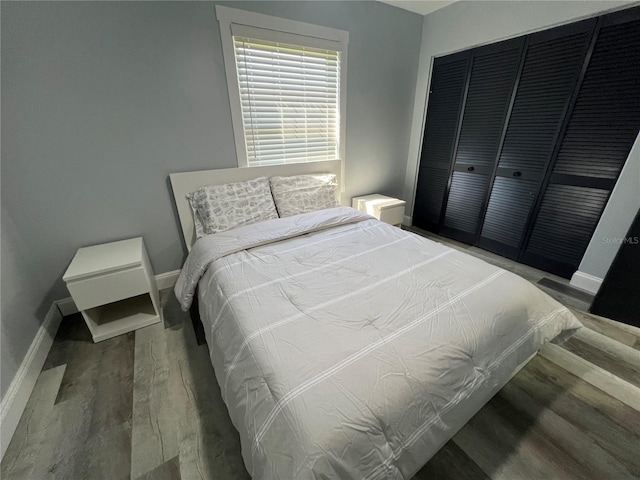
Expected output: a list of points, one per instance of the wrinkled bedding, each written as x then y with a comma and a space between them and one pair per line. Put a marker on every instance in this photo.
348, 348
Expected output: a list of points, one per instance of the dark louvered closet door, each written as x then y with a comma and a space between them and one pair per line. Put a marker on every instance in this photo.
600, 132
446, 95
552, 65
493, 75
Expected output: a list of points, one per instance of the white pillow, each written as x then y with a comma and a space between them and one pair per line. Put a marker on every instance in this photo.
304, 193
218, 208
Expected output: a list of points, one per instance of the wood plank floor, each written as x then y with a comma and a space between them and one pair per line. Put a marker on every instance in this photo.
146, 405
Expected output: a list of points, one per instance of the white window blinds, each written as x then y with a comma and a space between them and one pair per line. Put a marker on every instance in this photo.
289, 97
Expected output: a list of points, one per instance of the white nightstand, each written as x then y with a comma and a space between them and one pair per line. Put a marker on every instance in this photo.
386, 209
114, 288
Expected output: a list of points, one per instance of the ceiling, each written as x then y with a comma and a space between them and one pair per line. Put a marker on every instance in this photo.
422, 7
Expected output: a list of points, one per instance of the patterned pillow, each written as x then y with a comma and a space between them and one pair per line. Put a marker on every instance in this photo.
222, 207
304, 193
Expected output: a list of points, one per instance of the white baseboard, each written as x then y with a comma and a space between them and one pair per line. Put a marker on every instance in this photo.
407, 220
167, 279
164, 280
16, 397
586, 282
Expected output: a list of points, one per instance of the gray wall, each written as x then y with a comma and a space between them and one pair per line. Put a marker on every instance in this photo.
101, 101
616, 218
463, 25
23, 300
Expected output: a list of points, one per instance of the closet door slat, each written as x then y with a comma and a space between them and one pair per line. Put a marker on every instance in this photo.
466, 195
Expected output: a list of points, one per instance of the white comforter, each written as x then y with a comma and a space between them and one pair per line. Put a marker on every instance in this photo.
347, 348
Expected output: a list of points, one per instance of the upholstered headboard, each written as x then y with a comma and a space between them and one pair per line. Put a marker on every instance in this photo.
186, 182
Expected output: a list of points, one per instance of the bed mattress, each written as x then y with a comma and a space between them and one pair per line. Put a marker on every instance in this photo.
348, 348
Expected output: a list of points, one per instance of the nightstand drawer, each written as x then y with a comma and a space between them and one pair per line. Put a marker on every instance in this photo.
98, 290
392, 215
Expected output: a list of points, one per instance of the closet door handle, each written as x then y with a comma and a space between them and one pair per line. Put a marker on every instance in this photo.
470, 169
517, 174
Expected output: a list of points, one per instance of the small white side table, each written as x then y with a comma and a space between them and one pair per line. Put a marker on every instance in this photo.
114, 287
386, 209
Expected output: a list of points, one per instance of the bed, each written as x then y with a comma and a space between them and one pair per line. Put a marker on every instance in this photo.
348, 348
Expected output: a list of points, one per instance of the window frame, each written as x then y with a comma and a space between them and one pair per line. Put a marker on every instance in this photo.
284, 29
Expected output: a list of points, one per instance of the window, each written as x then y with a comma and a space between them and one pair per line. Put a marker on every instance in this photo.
289, 96
286, 88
